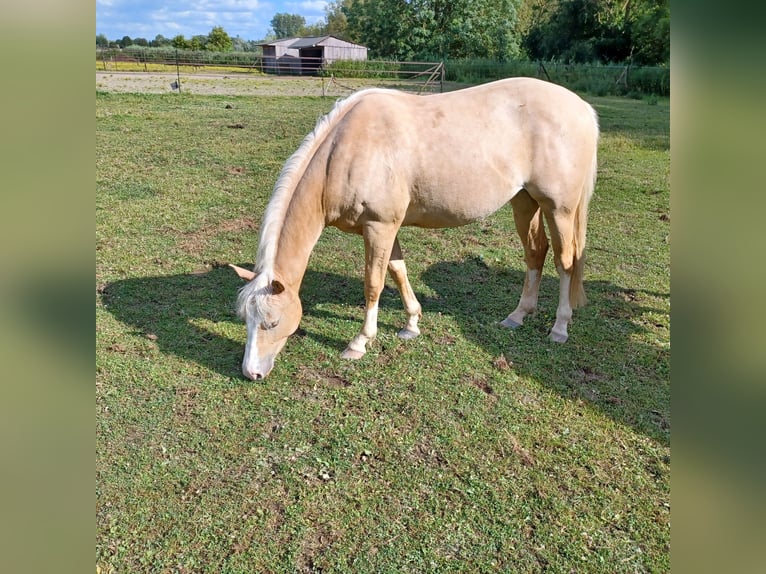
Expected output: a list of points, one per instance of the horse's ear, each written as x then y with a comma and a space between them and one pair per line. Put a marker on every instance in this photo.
276, 287
245, 274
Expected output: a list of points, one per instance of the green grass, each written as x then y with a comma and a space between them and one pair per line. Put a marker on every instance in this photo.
469, 449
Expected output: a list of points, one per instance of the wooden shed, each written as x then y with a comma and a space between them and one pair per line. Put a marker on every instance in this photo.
307, 55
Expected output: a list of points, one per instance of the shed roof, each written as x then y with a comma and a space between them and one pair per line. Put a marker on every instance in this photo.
310, 42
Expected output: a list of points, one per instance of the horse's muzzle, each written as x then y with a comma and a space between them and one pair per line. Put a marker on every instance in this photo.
258, 371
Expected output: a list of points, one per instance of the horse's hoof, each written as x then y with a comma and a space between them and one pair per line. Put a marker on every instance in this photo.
407, 334
351, 354
509, 323
558, 337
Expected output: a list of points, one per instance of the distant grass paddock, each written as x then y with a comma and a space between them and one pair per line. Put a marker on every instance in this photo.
469, 449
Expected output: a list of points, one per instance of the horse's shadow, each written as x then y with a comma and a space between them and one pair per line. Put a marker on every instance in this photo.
176, 311
179, 312
606, 362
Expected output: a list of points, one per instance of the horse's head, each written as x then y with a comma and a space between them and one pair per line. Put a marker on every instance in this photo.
272, 312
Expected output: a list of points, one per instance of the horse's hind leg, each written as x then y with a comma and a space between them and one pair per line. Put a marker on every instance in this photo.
529, 225
378, 241
398, 271
561, 224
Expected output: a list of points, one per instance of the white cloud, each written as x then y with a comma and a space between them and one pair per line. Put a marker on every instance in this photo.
307, 7
314, 5
226, 5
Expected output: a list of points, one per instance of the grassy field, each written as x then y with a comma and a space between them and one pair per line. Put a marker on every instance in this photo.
108, 66
469, 449
208, 83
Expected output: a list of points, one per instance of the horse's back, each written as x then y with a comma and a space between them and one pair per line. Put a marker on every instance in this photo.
447, 159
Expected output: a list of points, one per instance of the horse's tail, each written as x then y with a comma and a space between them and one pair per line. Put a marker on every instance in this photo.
577, 296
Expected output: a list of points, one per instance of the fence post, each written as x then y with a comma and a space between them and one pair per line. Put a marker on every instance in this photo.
541, 67
178, 73
442, 77
623, 77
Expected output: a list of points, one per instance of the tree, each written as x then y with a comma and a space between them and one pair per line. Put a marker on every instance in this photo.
384, 26
102, 41
198, 42
160, 41
125, 42
288, 25
477, 29
598, 30
650, 32
318, 29
218, 40
241, 45
335, 16
180, 43
407, 29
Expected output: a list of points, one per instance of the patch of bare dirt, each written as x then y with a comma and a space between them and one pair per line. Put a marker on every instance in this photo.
222, 84
194, 243
247, 84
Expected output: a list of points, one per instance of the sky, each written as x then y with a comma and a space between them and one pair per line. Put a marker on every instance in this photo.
248, 19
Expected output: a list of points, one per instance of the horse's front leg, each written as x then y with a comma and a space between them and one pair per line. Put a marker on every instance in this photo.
398, 271
378, 242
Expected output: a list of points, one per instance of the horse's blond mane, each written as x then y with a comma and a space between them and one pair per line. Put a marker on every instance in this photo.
287, 181
291, 173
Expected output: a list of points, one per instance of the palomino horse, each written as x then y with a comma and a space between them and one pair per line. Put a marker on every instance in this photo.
382, 159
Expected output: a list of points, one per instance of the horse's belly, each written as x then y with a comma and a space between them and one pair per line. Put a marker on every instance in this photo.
456, 209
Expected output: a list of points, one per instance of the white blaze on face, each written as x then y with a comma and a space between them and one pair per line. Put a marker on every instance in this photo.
255, 366
251, 364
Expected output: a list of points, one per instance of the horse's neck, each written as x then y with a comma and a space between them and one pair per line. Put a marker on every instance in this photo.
301, 228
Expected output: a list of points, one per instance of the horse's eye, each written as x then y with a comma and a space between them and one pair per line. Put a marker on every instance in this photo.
266, 326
